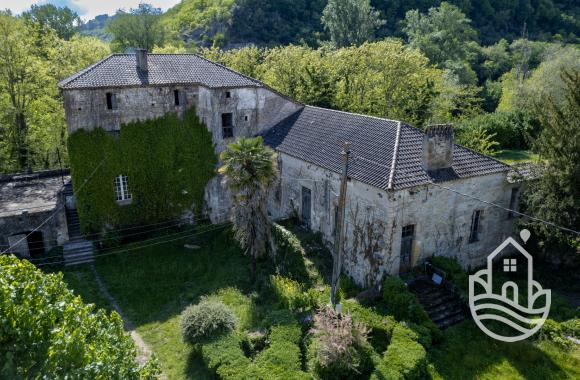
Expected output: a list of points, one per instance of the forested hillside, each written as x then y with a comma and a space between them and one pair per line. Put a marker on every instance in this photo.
273, 22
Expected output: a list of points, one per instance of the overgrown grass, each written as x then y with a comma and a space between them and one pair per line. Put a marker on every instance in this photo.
510, 156
153, 285
467, 353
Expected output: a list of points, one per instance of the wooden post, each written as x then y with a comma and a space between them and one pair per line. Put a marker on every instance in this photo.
339, 233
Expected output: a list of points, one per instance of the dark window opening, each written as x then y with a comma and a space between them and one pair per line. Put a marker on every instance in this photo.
246, 118
111, 101
35, 244
228, 94
475, 224
227, 125
176, 97
407, 237
513, 202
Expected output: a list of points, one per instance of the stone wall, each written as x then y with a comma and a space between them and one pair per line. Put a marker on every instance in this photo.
254, 110
375, 218
54, 232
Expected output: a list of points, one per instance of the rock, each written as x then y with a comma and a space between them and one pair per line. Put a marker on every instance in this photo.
191, 246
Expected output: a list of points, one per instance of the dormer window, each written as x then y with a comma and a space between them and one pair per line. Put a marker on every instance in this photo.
111, 101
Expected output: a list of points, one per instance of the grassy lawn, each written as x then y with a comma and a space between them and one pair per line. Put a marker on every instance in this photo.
510, 156
153, 285
467, 353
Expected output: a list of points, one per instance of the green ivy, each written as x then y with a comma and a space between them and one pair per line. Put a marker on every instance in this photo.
168, 162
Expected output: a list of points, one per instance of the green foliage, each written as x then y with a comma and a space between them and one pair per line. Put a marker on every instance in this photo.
63, 21
32, 61
47, 332
350, 22
250, 169
446, 37
405, 358
558, 332
168, 162
138, 28
292, 294
478, 139
455, 273
381, 325
205, 321
555, 195
406, 307
281, 359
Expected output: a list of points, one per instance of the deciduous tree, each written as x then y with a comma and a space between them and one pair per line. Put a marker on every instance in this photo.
350, 22
139, 28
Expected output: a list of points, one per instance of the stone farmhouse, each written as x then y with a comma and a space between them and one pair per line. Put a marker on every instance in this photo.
406, 190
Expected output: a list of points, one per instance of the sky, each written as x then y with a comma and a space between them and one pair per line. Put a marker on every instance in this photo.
87, 9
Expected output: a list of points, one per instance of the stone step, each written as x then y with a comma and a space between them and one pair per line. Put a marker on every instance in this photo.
450, 321
453, 305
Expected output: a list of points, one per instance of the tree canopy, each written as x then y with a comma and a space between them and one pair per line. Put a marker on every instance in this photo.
350, 22
138, 28
46, 332
63, 21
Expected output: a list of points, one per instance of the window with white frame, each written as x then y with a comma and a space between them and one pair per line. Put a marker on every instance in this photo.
121, 188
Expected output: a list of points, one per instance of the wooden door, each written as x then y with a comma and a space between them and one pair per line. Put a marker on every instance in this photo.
306, 206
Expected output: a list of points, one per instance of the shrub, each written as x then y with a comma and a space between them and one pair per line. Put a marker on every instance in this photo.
339, 345
381, 326
404, 359
205, 321
559, 332
406, 307
291, 294
46, 332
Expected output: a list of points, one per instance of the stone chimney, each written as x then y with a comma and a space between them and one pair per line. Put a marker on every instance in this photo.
438, 147
141, 55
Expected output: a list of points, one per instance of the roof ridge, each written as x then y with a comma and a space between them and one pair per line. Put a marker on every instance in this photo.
356, 114
79, 74
395, 154
248, 77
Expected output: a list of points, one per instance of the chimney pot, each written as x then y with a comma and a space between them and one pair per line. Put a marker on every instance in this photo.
141, 55
438, 147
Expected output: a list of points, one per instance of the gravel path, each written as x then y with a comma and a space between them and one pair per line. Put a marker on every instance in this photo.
143, 350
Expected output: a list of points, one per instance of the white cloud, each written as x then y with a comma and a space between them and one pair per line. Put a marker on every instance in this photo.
87, 9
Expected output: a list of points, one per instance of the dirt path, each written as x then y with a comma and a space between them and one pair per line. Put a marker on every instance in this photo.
143, 350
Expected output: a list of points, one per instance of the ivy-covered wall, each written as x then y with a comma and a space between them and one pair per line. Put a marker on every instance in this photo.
168, 162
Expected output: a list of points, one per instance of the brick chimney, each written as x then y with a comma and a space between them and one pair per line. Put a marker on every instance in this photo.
438, 147
141, 55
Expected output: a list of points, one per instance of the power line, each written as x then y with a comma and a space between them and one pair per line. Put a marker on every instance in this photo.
218, 227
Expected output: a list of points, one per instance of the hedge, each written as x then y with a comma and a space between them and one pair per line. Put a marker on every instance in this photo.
405, 358
281, 359
168, 161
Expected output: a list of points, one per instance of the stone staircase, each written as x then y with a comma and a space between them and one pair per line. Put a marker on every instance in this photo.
77, 250
444, 307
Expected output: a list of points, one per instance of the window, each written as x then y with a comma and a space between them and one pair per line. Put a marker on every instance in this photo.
176, 97
510, 265
228, 94
408, 231
111, 101
475, 222
407, 237
121, 188
513, 201
227, 126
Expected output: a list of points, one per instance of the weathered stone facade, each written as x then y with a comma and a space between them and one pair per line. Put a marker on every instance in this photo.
375, 218
28, 201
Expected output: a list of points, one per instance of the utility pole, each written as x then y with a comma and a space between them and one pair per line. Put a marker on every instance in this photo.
339, 222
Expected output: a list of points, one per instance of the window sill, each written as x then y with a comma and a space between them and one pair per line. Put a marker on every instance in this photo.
125, 202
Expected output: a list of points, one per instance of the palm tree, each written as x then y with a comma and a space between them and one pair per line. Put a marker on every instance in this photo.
249, 169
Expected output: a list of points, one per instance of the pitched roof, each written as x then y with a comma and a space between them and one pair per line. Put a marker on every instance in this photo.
384, 153
120, 70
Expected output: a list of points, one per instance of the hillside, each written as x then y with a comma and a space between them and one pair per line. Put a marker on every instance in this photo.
280, 22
